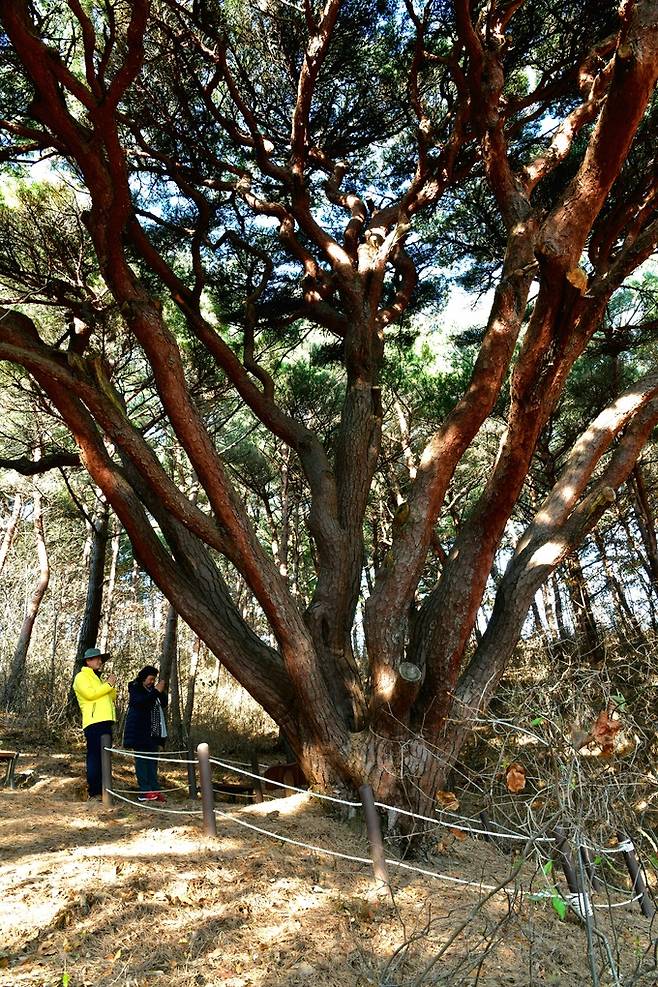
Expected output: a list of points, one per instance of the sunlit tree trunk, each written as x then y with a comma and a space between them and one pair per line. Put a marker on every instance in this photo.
10, 530
188, 711
14, 684
109, 593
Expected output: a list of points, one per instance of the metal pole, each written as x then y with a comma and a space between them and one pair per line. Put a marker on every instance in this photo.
374, 835
637, 877
207, 800
258, 785
566, 861
578, 896
106, 769
590, 869
191, 772
10, 780
588, 915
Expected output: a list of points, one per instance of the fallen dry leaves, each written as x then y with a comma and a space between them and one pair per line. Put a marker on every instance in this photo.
515, 777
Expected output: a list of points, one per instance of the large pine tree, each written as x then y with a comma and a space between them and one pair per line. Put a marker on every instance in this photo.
251, 174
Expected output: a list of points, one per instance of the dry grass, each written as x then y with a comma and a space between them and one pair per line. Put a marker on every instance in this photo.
127, 897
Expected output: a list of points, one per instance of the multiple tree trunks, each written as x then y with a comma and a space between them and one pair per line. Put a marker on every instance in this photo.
419, 694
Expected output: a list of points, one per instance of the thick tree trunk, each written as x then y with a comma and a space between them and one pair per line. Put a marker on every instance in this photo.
14, 684
91, 617
310, 681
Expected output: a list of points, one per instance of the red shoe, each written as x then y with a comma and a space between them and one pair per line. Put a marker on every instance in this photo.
159, 797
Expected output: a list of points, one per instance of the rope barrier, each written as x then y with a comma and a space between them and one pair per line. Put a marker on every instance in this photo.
282, 784
154, 808
351, 857
624, 846
151, 757
391, 808
620, 904
466, 829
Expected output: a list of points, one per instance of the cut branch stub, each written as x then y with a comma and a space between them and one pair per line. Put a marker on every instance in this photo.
405, 689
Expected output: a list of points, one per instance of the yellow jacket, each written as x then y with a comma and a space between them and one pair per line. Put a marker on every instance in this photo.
95, 697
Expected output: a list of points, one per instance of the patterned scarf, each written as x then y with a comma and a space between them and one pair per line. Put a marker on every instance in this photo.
158, 728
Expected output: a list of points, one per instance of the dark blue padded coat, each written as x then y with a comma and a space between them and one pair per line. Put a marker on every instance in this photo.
140, 730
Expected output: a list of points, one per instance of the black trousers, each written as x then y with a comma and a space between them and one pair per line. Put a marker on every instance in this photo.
147, 769
93, 734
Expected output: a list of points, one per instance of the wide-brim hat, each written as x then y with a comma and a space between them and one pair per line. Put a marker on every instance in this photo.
94, 653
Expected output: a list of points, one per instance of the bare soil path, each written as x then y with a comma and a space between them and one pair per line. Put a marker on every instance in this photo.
131, 896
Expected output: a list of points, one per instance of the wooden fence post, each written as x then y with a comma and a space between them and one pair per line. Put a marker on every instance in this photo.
374, 835
258, 785
106, 770
191, 772
637, 877
207, 798
578, 896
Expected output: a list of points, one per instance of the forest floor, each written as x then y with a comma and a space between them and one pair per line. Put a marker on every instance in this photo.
95, 897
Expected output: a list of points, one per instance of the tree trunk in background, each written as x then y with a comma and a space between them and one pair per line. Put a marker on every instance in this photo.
10, 530
91, 617
56, 608
12, 692
178, 738
549, 610
109, 593
169, 672
645, 522
562, 629
191, 683
169, 645
96, 552
588, 638
616, 590
536, 616
634, 551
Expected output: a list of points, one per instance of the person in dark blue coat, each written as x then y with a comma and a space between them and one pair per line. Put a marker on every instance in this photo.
146, 729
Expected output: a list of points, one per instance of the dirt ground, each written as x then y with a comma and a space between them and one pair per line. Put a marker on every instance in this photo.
95, 897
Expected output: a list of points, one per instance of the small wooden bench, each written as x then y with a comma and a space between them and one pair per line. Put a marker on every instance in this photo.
9, 758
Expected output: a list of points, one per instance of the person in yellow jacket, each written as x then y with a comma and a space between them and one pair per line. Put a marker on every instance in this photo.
96, 699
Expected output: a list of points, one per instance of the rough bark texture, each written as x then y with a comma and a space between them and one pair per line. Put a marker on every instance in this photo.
91, 617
